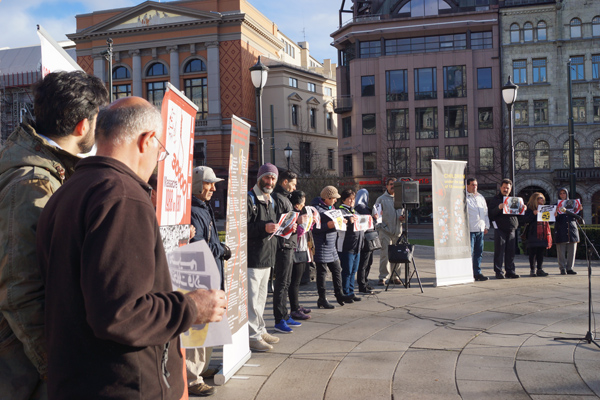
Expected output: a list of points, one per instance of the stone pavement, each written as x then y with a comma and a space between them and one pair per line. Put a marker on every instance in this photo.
484, 340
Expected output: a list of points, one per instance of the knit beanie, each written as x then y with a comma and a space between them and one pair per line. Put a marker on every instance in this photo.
329, 192
267, 169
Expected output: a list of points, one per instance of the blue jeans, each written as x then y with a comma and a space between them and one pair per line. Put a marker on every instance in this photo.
477, 251
350, 262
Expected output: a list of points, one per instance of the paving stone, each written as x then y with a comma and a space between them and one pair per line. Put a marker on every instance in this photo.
484, 319
489, 390
245, 388
361, 329
407, 331
590, 371
515, 328
262, 364
546, 349
445, 338
485, 368
550, 378
325, 349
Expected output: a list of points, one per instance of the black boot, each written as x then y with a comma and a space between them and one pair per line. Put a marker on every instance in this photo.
323, 303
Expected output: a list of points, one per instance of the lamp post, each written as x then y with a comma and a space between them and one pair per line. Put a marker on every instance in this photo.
288, 154
572, 186
259, 73
108, 55
509, 94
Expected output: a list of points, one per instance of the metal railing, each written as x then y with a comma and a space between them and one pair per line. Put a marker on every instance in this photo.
342, 104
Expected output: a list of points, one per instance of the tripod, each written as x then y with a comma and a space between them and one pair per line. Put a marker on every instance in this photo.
589, 247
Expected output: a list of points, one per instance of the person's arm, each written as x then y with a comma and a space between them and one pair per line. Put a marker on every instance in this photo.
203, 228
256, 228
495, 211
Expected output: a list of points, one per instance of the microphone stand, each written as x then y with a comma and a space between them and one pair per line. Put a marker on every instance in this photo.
588, 251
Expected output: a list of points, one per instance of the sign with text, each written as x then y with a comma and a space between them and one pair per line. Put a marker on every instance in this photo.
546, 213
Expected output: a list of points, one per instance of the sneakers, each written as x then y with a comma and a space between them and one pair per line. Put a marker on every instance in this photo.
260, 345
571, 272
202, 390
290, 321
283, 327
305, 310
480, 278
512, 276
532, 272
270, 339
541, 272
499, 275
299, 315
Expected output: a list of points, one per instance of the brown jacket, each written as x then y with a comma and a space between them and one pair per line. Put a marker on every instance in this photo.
112, 319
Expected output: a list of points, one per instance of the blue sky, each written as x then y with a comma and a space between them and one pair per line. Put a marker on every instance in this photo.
18, 19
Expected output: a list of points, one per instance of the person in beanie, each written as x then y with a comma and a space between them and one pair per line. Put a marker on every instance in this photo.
326, 255
262, 222
566, 237
203, 219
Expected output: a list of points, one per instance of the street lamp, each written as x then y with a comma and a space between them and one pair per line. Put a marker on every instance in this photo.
288, 154
259, 73
509, 94
571, 133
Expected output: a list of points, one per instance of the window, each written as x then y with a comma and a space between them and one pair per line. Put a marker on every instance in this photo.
426, 123
327, 91
528, 32
520, 71
596, 26
541, 31
596, 66
542, 155
347, 165
121, 73
455, 81
370, 164
485, 117
432, 44
196, 90
421, 8
425, 83
575, 28
312, 87
329, 120
330, 159
312, 113
484, 78
579, 110
195, 65
455, 121
424, 157
294, 82
596, 109
294, 115
514, 33
577, 70
396, 85
486, 158
539, 70
157, 69
540, 112
370, 49
305, 157
460, 152
346, 127
521, 113
481, 40
597, 153
521, 156
368, 124
397, 124
398, 160
367, 85
566, 162
199, 153
155, 92
120, 91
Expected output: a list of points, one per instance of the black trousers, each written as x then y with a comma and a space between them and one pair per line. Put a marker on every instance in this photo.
536, 254
297, 272
504, 251
364, 267
336, 276
283, 276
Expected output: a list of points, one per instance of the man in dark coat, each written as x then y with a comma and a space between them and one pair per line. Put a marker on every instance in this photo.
112, 318
566, 237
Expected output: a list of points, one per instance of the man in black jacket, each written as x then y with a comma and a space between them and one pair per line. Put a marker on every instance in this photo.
504, 233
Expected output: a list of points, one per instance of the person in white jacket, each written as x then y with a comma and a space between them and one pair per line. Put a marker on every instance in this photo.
389, 229
479, 224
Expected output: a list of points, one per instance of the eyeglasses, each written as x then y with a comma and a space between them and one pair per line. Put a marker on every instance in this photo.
163, 153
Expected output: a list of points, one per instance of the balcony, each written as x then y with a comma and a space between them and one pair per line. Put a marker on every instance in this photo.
342, 104
580, 174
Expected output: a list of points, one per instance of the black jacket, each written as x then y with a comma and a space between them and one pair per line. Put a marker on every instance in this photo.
505, 222
203, 219
324, 238
349, 241
283, 206
565, 227
261, 250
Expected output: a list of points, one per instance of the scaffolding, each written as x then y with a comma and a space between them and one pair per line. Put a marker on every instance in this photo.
16, 100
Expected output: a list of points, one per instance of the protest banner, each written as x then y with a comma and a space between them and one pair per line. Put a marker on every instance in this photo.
285, 226
513, 206
546, 213
377, 213
572, 205
338, 219
314, 216
363, 223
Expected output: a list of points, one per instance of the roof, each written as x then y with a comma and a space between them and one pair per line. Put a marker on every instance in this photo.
24, 59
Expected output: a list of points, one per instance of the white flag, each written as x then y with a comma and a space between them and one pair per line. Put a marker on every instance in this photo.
54, 57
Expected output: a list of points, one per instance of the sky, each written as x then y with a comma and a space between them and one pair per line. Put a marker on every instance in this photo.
300, 20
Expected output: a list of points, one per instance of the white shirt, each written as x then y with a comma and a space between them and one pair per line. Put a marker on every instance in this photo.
478, 213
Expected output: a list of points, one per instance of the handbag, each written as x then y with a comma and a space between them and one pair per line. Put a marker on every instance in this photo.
400, 253
372, 241
300, 257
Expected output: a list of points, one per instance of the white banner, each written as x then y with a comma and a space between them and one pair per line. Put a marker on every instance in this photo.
54, 57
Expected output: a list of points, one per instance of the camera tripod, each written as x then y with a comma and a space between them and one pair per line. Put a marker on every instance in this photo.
408, 275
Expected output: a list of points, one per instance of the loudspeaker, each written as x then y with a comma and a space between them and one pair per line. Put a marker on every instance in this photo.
406, 193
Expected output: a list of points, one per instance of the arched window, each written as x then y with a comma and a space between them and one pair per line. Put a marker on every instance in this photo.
157, 69
566, 154
541, 31
596, 26
195, 65
514, 33
542, 155
597, 153
575, 28
521, 156
528, 32
121, 73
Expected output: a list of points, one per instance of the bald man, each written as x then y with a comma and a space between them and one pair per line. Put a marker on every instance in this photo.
113, 320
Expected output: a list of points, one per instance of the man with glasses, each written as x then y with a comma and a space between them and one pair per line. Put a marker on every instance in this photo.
389, 230
479, 224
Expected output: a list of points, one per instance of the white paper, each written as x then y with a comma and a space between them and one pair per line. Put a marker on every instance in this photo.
338, 219
546, 213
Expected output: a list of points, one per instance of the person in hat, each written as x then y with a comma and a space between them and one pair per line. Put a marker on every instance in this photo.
203, 220
262, 222
326, 255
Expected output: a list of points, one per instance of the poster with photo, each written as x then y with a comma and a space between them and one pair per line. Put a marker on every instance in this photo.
377, 213
338, 219
285, 226
572, 205
546, 213
314, 217
514, 205
363, 222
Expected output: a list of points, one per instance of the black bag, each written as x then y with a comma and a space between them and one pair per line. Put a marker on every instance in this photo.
400, 253
372, 241
300, 257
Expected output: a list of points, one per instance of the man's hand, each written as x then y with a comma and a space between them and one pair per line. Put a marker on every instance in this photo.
485, 231
211, 305
500, 206
353, 219
294, 228
192, 231
270, 227
402, 218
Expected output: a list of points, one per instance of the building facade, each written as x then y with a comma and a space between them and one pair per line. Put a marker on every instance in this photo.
418, 80
538, 40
